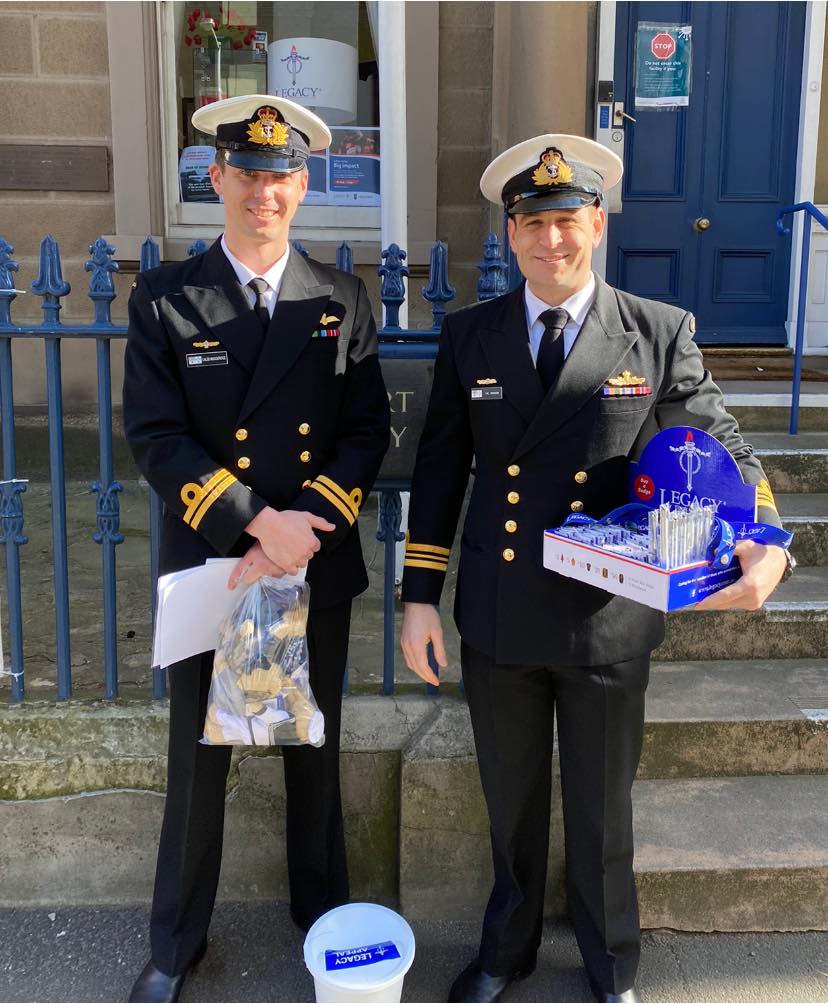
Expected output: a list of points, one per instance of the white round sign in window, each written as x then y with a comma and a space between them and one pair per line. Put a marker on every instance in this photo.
318, 73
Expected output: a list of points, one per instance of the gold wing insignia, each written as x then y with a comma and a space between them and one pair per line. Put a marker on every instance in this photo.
205, 345
329, 319
626, 379
487, 381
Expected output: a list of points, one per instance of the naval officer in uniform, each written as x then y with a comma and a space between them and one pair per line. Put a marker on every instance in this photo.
518, 385
255, 406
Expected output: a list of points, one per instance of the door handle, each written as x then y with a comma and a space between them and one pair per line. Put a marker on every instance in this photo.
701, 224
618, 114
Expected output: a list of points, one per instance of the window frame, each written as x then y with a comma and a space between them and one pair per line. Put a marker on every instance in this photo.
145, 174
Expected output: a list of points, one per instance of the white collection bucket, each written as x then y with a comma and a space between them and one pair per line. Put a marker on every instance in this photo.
359, 952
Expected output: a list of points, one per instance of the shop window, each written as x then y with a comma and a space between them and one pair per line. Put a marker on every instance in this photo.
321, 55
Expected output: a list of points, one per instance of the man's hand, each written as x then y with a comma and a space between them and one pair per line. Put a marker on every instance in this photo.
421, 625
287, 538
762, 567
252, 566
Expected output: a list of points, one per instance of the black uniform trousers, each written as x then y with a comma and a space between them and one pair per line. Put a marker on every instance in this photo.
600, 720
189, 852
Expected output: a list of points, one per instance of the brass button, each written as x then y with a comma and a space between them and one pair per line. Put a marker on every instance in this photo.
513, 497
513, 470
510, 526
243, 463
304, 429
305, 456
241, 435
576, 506
581, 477
508, 554
306, 483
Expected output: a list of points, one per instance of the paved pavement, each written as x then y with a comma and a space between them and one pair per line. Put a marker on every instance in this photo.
255, 954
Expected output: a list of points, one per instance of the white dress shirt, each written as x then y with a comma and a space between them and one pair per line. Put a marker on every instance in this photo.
273, 277
577, 306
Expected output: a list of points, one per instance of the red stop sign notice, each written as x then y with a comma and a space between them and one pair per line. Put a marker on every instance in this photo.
663, 45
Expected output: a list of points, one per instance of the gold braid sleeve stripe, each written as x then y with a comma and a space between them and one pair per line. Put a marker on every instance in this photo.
427, 549
435, 566
219, 489
198, 498
353, 501
764, 495
335, 500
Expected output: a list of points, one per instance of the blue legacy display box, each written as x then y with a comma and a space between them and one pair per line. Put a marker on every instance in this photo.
673, 544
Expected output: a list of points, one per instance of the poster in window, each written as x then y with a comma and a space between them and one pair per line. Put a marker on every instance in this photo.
194, 176
354, 167
317, 194
662, 66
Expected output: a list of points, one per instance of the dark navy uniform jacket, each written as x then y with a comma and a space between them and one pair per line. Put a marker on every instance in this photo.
223, 421
539, 458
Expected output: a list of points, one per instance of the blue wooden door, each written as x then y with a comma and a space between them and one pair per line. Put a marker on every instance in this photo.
728, 158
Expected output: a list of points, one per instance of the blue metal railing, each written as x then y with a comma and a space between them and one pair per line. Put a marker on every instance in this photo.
395, 342
810, 210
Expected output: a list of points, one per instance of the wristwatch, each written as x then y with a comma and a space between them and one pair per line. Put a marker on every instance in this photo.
789, 566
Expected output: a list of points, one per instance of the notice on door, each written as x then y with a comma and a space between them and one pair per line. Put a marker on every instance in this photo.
662, 65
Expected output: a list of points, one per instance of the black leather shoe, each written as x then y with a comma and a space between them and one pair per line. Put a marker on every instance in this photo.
155, 987
475, 984
627, 997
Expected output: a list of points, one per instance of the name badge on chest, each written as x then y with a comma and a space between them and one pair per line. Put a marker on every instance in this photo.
486, 393
206, 359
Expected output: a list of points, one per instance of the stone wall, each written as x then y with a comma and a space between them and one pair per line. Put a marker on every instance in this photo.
54, 74
464, 137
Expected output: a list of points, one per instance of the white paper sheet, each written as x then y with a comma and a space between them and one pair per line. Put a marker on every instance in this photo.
191, 605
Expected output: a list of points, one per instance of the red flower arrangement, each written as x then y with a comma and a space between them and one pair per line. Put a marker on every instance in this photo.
240, 35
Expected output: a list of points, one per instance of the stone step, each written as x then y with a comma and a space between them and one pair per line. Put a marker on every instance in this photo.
727, 718
793, 463
806, 516
733, 854
793, 624
766, 406
80, 809
736, 853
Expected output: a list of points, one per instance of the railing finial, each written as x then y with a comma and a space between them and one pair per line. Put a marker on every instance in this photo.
438, 291
7, 288
50, 283
345, 258
101, 286
150, 255
196, 248
493, 278
392, 291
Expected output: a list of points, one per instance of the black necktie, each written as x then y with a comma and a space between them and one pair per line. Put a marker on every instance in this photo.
259, 287
551, 349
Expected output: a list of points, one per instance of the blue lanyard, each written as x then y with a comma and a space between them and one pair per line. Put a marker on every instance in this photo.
723, 539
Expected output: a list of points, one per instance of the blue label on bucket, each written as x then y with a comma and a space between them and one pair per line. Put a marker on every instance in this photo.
366, 955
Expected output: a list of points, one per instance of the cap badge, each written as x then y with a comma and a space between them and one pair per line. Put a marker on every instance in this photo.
626, 379
267, 129
552, 169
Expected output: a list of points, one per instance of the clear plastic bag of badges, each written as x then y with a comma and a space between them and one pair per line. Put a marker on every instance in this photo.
260, 693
